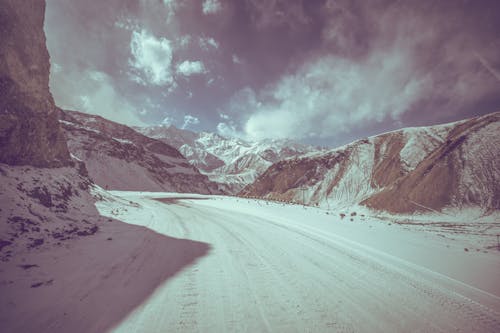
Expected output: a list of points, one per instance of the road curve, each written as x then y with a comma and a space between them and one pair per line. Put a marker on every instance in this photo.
263, 275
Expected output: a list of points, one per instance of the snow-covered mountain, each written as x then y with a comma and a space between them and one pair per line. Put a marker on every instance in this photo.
413, 169
119, 158
231, 162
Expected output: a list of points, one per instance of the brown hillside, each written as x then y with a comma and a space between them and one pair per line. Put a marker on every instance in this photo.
435, 183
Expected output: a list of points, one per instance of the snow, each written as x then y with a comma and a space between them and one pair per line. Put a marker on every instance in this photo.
480, 176
75, 283
232, 162
275, 267
123, 141
420, 141
75, 125
212, 263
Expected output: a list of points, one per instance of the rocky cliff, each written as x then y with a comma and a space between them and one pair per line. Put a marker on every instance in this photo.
29, 129
45, 205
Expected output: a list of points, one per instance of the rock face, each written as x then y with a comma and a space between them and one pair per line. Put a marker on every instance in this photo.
231, 162
119, 158
406, 171
29, 129
463, 171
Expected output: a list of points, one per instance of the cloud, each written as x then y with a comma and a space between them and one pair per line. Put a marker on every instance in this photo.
243, 101
316, 68
236, 59
127, 23
184, 40
377, 65
190, 120
332, 95
206, 43
228, 130
211, 7
171, 6
188, 68
92, 92
151, 58
167, 121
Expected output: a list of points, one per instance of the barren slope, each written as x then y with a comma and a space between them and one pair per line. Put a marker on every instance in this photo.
414, 169
117, 157
463, 171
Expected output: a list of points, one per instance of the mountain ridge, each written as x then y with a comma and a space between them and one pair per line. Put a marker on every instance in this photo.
231, 162
384, 169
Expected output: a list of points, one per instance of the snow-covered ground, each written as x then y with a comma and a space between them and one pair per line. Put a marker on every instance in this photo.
213, 264
285, 268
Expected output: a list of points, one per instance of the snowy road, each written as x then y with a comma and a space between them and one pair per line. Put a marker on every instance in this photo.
273, 272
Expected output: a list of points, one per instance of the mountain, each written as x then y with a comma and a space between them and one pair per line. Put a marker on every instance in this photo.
424, 169
119, 158
231, 162
463, 171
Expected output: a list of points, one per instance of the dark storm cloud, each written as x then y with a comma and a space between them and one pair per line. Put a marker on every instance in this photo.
383, 65
323, 71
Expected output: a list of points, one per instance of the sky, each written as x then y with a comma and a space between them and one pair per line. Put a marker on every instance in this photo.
323, 72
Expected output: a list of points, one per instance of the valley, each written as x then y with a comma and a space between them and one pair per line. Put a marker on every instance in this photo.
152, 227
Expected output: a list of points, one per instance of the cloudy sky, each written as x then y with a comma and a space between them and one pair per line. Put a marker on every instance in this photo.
317, 71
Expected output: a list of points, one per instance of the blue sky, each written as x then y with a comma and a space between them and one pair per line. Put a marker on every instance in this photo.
323, 72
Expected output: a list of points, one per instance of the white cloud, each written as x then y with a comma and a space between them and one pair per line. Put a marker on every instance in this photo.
236, 59
190, 120
228, 130
171, 6
92, 92
184, 40
167, 121
127, 23
243, 101
223, 116
211, 7
55, 68
170, 3
188, 68
97, 76
151, 58
333, 95
207, 42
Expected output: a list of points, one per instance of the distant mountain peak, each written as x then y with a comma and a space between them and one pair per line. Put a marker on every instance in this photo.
233, 162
